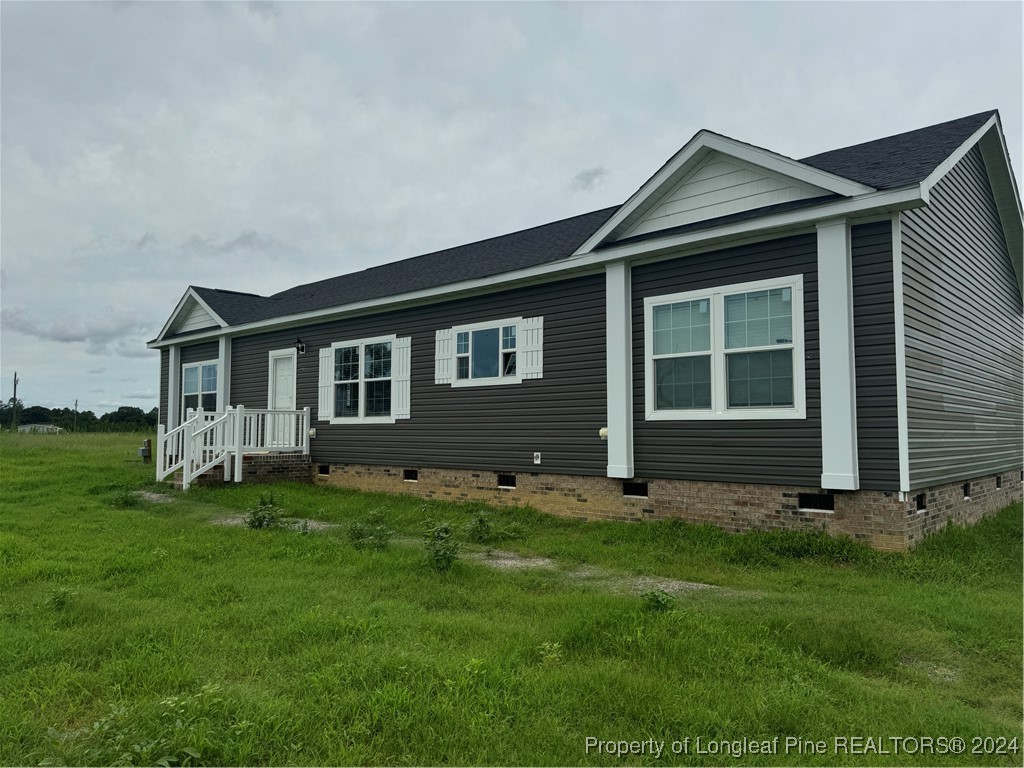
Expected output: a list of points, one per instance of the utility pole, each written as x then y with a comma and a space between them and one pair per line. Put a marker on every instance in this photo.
76, 416
14, 405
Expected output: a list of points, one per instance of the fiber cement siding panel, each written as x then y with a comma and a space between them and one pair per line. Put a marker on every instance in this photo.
963, 333
875, 344
786, 452
487, 428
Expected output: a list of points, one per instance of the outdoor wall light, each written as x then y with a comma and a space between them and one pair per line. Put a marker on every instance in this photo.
300, 346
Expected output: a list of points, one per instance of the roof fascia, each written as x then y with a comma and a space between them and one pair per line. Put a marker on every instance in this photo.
887, 201
704, 142
190, 293
946, 165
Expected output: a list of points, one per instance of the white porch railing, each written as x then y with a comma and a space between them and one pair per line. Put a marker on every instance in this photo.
207, 439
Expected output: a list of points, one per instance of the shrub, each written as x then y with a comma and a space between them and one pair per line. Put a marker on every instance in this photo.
481, 530
371, 533
266, 514
657, 600
442, 547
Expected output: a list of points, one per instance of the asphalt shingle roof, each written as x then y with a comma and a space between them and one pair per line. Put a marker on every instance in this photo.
901, 160
888, 163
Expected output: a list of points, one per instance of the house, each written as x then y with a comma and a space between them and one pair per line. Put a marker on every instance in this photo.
48, 429
749, 341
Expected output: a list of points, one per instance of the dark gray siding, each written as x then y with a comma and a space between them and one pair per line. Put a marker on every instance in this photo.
165, 361
765, 451
874, 336
198, 353
486, 428
963, 333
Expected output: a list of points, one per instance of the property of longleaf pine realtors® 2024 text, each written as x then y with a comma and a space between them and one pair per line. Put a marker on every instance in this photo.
791, 745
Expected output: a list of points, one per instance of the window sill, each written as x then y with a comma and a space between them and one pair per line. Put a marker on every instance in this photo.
498, 380
735, 415
364, 420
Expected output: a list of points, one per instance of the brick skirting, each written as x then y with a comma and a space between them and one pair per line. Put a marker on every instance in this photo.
877, 517
261, 468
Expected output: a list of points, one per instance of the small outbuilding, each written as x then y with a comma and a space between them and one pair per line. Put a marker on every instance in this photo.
48, 429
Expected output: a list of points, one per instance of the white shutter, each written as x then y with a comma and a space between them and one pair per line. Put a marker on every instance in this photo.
401, 370
530, 357
324, 400
443, 356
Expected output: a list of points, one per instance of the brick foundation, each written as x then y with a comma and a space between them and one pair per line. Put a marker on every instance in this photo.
879, 518
261, 468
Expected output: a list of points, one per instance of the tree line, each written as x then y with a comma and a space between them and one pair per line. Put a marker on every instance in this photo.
127, 418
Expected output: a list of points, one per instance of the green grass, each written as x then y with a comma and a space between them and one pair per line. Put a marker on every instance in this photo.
133, 632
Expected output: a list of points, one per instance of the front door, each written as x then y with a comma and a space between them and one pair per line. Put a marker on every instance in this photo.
281, 397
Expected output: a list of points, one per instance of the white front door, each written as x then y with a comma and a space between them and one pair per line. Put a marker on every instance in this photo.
281, 397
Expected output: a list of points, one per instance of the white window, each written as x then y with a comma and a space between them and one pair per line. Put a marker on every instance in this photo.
365, 381
734, 352
199, 386
493, 352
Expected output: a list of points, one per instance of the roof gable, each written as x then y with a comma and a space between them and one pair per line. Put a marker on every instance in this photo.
191, 314
721, 185
723, 177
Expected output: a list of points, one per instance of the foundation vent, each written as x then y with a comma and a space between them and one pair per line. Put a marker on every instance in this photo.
634, 488
411, 475
323, 469
820, 502
506, 481
967, 490
921, 503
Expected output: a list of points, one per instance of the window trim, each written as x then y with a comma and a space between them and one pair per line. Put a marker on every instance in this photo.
215, 362
719, 403
361, 343
491, 380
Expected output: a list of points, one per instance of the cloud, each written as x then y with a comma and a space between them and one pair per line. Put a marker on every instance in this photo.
265, 9
96, 371
104, 332
248, 241
146, 395
588, 179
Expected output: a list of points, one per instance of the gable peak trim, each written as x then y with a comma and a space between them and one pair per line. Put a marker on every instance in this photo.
189, 298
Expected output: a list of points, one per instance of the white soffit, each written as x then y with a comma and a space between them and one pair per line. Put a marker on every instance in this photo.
714, 176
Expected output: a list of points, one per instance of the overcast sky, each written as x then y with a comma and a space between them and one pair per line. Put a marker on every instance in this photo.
256, 146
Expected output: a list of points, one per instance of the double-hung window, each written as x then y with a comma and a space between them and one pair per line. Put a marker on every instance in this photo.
734, 352
365, 381
199, 386
495, 352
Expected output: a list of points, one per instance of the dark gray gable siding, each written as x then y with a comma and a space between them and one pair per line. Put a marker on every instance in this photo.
875, 344
165, 362
200, 353
963, 333
765, 451
488, 428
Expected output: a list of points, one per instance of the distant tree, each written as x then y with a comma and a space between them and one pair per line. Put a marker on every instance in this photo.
124, 419
7, 412
34, 414
152, 418
87, 421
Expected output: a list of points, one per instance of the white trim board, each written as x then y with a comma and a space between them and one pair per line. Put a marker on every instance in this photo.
899, 322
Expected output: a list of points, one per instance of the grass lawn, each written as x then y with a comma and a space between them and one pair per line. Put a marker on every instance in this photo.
133, 632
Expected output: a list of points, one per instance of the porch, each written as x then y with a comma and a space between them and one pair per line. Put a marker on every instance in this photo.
206, 440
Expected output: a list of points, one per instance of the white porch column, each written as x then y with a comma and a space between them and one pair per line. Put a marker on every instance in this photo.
223, 373
173, 378
619, 369
838, 373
